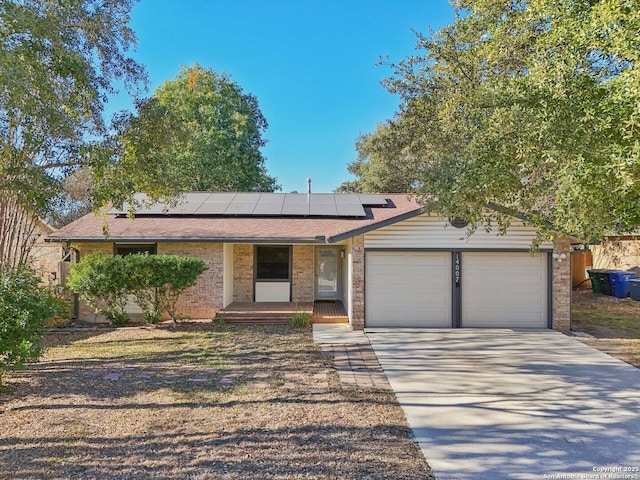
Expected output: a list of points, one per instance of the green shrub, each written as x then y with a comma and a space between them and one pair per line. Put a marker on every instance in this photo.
160, 280
104, 282
24, 307
172, 276
156, 281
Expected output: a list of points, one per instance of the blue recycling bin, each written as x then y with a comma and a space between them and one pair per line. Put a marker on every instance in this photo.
620, 283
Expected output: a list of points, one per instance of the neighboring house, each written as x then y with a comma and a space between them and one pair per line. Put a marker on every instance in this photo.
46, 257
390, 264
24, 242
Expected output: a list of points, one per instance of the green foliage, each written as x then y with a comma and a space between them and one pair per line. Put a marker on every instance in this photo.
24, 307
381, 166
159, 280
198, 132
531, 105
58, 62
104, 282
300, 320
156, 281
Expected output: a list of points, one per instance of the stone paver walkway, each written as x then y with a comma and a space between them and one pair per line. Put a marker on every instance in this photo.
354, 359
357, 365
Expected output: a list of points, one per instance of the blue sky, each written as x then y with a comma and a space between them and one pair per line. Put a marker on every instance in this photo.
311, 65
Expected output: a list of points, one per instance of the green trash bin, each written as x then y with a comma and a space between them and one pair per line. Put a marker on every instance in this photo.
595, 281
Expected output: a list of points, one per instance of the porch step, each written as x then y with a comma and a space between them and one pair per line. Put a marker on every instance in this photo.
329, 312
262, 313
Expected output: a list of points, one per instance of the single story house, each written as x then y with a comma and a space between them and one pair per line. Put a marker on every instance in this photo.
387, 261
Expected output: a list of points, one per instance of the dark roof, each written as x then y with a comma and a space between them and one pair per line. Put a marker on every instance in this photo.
150, 224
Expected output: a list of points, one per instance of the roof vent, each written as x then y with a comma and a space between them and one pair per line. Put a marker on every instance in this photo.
308, 185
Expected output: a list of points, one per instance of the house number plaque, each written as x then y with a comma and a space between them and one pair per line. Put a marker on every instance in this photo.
457, 270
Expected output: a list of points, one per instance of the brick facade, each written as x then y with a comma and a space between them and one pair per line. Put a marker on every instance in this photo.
243, 273
205, 298
561, 285
357, 280
303, 279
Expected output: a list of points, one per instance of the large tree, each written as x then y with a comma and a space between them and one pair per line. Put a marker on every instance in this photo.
199, 131
529, 105
382, 165
58, 62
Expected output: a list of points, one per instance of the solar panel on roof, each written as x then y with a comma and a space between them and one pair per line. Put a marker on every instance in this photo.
157, 208
215, 204
269, 204
190, 203
296, 204
243, 204
323, 205
349, 206
369, 199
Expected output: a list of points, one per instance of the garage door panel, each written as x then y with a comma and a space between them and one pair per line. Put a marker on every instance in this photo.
408, 289
506, 290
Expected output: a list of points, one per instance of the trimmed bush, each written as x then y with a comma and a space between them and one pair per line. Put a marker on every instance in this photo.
156, 281
160, 280
104, 282
24, 307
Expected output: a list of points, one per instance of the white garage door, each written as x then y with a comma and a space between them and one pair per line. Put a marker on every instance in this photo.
408, 289
504, 290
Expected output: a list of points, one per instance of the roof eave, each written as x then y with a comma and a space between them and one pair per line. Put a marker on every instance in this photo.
319, 239
374, 226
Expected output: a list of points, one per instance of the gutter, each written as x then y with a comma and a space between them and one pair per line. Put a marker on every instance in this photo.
317, 239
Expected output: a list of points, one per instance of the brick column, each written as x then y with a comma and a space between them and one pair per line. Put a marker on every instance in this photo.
303, 279
561, 285
357, 283
242, 272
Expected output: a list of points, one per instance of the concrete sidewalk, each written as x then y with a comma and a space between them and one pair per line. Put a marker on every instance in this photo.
505, 404
334, 333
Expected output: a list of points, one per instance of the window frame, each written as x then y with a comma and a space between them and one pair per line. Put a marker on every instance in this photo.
150, 248
256, 274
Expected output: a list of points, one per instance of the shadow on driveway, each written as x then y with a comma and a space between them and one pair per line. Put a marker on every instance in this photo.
507, 404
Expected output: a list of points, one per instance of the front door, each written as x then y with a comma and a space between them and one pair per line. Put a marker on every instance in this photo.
327, 273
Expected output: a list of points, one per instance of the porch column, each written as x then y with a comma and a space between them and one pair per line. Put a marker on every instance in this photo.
357, 283
561, 284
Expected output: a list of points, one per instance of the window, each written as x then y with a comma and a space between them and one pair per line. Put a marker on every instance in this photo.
133, 248
272, 263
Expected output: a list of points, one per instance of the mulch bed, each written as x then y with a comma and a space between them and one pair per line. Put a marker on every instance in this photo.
200, 402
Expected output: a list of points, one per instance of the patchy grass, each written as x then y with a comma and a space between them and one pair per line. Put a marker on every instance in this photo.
605, 316
613, 322
198, 402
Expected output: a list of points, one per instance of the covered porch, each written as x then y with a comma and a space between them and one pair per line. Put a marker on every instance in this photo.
280, 313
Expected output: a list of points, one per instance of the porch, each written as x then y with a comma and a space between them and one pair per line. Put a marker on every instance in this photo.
280, 313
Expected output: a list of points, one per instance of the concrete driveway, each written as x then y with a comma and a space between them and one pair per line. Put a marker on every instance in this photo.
505, 404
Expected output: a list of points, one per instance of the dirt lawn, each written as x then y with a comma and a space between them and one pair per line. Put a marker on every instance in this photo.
199, 402
614, 324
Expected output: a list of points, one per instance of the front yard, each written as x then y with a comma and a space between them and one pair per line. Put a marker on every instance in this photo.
198, 402
613, 323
